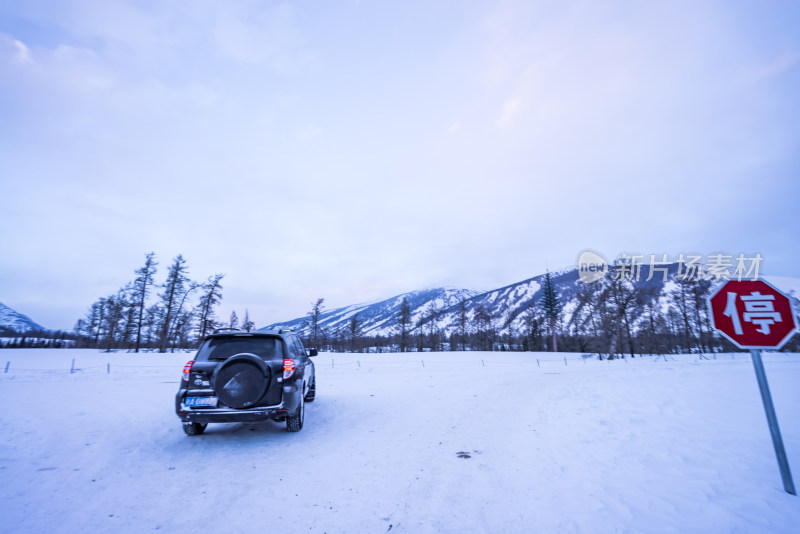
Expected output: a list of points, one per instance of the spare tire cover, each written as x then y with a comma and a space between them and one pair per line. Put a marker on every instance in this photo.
241, 380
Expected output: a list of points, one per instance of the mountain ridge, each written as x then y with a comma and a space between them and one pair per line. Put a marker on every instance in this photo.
508, 303
12, 320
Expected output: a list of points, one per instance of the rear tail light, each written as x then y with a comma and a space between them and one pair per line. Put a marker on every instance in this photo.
288, 368
186, 370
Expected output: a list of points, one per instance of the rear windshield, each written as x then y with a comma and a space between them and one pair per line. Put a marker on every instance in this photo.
222, 348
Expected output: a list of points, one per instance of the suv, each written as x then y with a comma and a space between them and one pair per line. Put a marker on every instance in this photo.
240, 376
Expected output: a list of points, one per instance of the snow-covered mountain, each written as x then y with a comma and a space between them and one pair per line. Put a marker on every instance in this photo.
506, 305
13, 320
380, 317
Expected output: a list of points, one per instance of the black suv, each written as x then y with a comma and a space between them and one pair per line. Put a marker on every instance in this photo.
240, 376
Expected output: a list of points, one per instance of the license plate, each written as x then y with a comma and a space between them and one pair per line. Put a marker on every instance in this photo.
200, 401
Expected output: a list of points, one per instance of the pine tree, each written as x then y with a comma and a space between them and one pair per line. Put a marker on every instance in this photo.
431, 315
234, 322
355, 332
247, 324
463, 323
404, 322
551, 307
484, 328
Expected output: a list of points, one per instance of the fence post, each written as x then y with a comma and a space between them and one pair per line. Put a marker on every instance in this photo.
565, 361
483, 363
331, 363
8, 364
423, 363
108, 368
72, 369
537, 362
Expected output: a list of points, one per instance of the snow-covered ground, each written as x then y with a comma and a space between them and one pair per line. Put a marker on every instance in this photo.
467, 442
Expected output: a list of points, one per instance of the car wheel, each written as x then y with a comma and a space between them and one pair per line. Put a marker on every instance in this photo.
194, 429
295, 421
312, 390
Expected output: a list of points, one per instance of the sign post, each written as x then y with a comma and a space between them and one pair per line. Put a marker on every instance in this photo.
755, 315
772, 419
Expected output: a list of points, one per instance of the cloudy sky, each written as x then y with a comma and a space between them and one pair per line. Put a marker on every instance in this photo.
354, 150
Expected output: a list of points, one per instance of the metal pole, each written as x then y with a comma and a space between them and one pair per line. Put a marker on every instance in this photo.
772, 419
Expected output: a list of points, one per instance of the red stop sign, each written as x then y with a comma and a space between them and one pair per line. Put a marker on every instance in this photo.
752, 314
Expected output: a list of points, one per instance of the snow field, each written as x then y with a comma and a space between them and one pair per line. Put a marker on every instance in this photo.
466, 442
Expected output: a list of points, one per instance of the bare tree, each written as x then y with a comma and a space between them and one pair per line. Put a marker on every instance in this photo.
534, 330
211, 297
620, 296
141, 288
172, 297
463, 323
315, 315
681, 301
404, 324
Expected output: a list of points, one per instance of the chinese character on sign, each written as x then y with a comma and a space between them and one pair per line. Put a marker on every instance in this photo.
752, 314
758, 309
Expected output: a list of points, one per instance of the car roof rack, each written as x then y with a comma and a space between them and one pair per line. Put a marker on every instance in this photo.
226, 329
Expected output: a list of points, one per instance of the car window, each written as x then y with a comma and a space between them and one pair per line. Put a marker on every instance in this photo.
300, 347
295, 348
222, 348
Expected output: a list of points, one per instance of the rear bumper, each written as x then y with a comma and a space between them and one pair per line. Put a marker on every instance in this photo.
224, 414
231, 416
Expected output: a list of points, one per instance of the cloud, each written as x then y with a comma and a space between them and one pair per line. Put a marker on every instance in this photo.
254, 33
780, 64
512, 107
14, 52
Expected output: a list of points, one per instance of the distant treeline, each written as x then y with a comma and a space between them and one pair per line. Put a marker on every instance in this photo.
34, 339
610, 317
